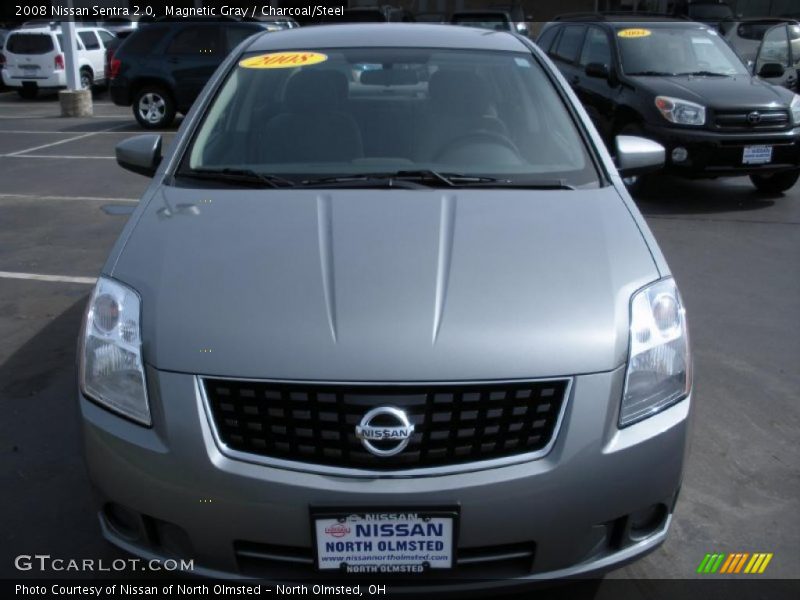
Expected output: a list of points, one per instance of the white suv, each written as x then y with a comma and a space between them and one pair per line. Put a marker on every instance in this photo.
34, 58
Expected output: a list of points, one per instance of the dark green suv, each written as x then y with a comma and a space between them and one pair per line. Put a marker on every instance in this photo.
160, 69
679, 83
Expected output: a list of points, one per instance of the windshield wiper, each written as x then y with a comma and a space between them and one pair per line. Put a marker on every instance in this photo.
704, 74
651, 74
403, 179
538, 184
244, 176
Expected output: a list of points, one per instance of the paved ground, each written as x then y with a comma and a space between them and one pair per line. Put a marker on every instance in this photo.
735, 254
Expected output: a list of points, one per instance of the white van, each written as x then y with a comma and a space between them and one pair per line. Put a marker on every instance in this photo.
34, 58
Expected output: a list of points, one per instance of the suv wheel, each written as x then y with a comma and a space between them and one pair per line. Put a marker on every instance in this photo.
153, 107
775, 183
87, 79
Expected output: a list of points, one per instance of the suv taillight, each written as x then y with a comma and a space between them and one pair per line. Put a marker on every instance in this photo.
59, 61
116, 64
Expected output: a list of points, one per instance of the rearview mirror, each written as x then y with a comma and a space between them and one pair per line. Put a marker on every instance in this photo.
598, 70
140, 154
636, 155
770, 70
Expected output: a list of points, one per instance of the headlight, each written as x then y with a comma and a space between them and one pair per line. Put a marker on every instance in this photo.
681, 112
795, 108
111, 368
659, 367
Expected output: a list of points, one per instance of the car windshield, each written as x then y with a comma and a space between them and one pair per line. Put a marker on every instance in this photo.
676, 51
355, 112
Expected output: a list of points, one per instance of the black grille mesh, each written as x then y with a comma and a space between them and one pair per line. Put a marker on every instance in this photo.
454, 424
739, 120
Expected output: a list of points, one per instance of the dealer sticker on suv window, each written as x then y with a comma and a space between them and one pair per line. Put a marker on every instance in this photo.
757, 155
384, 542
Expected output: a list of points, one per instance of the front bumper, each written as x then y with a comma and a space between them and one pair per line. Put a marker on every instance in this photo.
571, 509
715, 154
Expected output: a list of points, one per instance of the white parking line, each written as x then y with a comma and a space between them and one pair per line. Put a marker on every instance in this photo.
102, 131
57, 278
71, 139
83, 198
54, 156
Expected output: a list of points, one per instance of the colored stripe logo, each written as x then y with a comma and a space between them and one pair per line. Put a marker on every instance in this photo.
735, 563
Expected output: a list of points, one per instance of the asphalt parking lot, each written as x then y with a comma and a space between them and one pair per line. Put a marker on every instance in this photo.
63, 201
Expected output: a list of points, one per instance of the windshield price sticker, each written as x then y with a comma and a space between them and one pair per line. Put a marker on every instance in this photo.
634, 33
283, 60
384, 543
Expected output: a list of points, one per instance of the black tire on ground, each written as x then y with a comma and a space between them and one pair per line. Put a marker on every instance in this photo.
28, 93
153, 107
775, 183
636, 184
86, 79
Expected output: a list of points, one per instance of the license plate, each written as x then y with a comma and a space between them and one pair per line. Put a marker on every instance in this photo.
384, 542
757, 155
29, 67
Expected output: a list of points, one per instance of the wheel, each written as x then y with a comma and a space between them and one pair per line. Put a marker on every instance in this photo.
636, 184
153, 107
28, 93
775, 183
87, 79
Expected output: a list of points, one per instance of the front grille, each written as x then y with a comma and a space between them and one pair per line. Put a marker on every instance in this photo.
453, 424
292, 563
741, 120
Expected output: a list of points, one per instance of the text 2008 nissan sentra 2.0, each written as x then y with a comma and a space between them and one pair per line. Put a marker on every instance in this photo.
386, 307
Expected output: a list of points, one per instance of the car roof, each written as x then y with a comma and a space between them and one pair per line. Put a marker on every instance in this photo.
766, 20
387, 35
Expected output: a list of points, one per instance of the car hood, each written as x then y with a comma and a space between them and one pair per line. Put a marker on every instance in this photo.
719, 92
385, 285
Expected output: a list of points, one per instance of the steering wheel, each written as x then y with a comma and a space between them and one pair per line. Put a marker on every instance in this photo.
477, 136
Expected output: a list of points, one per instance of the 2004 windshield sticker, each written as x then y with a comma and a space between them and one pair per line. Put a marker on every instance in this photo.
634, 33
283, 60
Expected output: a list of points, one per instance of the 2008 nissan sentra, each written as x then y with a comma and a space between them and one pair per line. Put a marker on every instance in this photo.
386, 307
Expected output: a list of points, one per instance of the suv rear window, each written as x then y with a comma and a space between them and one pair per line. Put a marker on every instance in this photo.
755, 30
144, 40
30, 43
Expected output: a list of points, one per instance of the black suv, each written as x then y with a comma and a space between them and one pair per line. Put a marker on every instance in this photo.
678, 83
161, 68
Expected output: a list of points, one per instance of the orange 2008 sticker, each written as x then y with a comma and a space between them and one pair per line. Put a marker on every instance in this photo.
634, 33
283, 60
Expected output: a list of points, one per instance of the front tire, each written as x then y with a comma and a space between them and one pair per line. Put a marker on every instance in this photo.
87, 79
153, 107
775, 183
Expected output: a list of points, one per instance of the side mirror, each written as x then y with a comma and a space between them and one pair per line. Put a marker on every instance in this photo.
770, 70
598, 70
636, 155
140, 154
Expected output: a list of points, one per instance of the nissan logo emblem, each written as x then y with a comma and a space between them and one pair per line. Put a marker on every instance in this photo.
385, 431
754, 117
